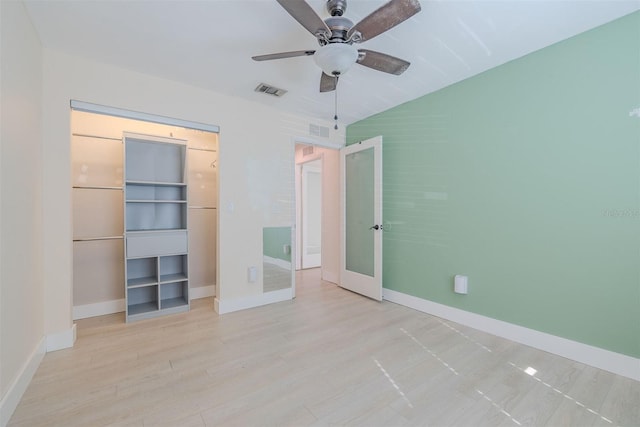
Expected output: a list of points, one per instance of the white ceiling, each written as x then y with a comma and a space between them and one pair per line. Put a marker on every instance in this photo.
210, 43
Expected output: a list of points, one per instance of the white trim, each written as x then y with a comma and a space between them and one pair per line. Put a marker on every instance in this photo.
330, 277
98, 309
319, 143
617, 363
136, 115
277, 262
229, 306
60, 340
310, 260
202, 292
16, 390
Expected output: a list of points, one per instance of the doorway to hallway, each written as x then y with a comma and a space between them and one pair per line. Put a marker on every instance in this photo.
317, 195
311, 214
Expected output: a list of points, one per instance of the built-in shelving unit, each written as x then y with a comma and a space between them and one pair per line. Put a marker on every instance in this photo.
156, 239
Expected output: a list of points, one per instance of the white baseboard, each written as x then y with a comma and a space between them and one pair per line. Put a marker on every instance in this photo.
10, 401
327, 276
617, 363
98, 309
60, 340
229, 306
202, 292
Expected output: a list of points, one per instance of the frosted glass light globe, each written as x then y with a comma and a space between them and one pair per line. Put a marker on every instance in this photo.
336, 58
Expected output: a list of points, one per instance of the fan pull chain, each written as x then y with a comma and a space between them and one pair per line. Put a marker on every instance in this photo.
335, 116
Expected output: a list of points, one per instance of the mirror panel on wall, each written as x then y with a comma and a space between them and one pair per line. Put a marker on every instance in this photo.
276, 258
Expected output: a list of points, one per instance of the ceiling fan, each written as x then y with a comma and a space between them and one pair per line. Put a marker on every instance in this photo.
337, 34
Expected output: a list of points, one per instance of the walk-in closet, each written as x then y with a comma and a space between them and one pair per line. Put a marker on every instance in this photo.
144, 216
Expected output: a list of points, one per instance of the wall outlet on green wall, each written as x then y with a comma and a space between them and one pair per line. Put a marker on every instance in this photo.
460, 284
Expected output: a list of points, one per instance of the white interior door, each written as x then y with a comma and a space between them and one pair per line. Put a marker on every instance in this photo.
361, 255
311, 214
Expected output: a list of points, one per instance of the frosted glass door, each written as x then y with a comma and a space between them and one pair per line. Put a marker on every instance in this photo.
359, 209
362, 218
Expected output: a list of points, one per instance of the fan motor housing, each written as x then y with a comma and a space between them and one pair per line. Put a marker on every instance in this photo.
336, 7
339, 28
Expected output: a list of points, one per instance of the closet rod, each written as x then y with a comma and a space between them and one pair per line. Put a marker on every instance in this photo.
97, 137
89, 187
92, 239
203, 149
200, 207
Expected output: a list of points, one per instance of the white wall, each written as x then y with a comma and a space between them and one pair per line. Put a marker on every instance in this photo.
330, 208
21, 284
256, 158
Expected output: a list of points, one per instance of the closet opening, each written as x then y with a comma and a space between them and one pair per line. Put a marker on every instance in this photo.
104, 277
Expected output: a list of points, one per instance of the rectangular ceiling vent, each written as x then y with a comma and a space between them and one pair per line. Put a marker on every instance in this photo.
307, 151
270, 90
317, 130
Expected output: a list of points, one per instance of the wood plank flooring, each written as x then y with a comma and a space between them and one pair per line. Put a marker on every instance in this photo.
329, 357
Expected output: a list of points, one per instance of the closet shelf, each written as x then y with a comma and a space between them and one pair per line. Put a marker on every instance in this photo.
157, 183
141, 282
93, 239
155, 230
142, 308
155, 201
95, 187
169, 278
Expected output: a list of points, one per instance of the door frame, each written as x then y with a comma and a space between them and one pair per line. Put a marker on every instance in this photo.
353, 281
300, 231
310, 142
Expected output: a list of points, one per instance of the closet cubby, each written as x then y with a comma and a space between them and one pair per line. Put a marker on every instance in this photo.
173, 295
154, 160
142, 272
141, 216
142, 301
173, 268
145, 192
156, 239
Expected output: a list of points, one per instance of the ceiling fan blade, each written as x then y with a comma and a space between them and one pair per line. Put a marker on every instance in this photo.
283, 55
385, 17
305, 15
328, 83
382, 62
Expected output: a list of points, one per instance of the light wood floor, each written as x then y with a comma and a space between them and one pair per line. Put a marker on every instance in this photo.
328, 358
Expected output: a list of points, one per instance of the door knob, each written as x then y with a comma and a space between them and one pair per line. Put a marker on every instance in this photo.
375, 227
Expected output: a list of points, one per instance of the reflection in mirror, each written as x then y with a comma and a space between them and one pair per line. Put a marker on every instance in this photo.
276, 258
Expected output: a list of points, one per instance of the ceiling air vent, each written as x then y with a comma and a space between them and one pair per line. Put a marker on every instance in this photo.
317, 130
270, 90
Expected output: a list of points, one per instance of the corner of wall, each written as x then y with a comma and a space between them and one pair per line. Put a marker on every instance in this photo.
61, 340
16, 390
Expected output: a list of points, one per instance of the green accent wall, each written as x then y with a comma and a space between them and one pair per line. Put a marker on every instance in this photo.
273, 241
526, 178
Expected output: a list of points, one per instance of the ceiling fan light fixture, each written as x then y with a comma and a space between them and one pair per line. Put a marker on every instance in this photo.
335, 59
